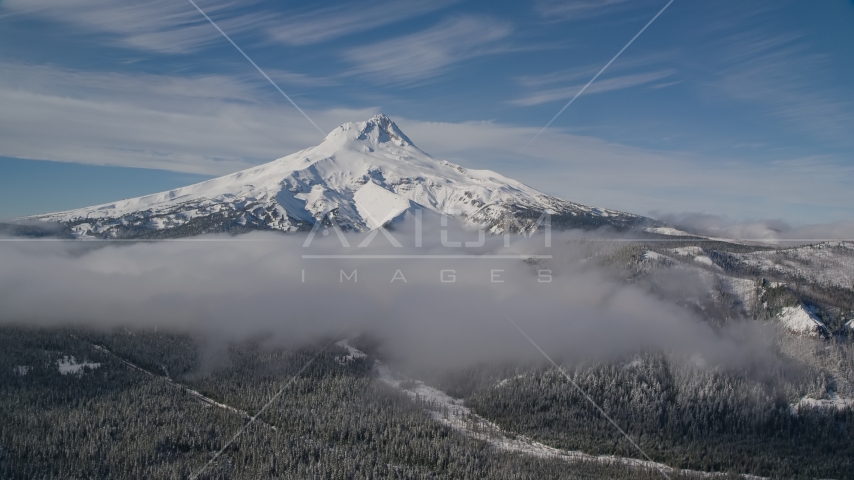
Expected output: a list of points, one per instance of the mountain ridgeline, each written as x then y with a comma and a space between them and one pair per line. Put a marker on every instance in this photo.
363, 175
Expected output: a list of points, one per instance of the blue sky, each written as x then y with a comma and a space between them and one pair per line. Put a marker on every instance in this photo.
732, 108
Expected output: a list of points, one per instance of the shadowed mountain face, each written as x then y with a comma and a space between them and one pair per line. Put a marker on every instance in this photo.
363, 175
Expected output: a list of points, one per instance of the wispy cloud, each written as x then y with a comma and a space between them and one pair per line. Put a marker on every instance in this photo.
770, 230
295, 78
645, 61
606, 85
210, 124
782, 75
647, 69
579, 9
169, 26
559, 77
419, 56
333, 22
163, 26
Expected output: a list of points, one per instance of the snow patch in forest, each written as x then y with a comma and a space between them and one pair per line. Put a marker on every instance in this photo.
68, 365
689, 251
352, 352
801, 320
636, 363
667, 231
22, 370
695, 253
703, 259
652, 256
508, 380
833, 401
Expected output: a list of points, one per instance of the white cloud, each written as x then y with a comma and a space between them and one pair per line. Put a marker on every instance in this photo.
204, 124
600, 86
163, 26
781, 74
329, 23
419, 56
579, 9
627, 72
176, 27
252, 285
285, 77
765, 230
168, 26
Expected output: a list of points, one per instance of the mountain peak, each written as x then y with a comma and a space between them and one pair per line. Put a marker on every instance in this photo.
363, 172
380, 119
377, 130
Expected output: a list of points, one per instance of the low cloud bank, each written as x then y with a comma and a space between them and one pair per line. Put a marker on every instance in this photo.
426, 306
774, 230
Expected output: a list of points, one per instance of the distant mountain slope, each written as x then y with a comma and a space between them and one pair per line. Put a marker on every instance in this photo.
362, 175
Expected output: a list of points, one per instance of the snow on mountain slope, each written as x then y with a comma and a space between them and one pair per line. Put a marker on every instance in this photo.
695, 253
743, 295
378, 205
826, 263
362, 175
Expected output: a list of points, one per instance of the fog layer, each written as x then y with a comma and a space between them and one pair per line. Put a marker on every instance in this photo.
426, 308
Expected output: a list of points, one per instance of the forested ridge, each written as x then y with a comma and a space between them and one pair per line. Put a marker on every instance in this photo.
707, 419
334, 421
337, 421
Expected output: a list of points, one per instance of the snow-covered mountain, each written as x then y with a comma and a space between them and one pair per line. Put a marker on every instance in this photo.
363, 175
